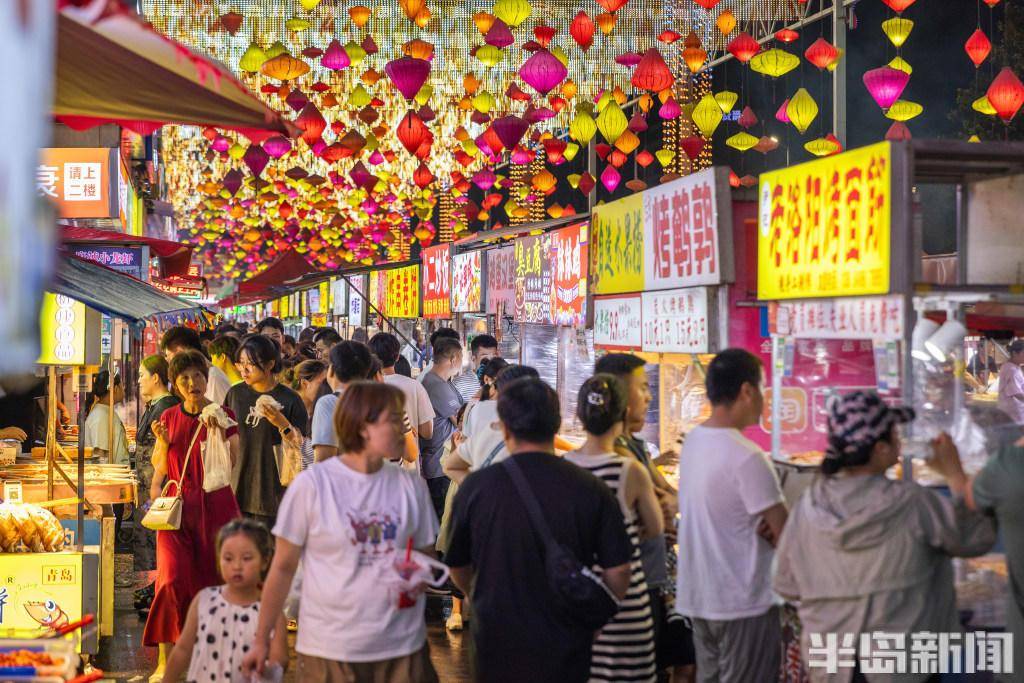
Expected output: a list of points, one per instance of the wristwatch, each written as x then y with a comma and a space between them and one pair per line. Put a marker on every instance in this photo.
286, 431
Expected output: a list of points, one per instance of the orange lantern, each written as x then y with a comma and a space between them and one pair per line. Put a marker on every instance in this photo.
606, 22
360, 14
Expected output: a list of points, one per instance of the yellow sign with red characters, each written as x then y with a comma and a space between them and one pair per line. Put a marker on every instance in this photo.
825, 226
402, 292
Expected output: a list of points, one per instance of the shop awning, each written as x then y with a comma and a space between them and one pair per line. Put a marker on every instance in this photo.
174, 256
285, 268
113, 68
118, 295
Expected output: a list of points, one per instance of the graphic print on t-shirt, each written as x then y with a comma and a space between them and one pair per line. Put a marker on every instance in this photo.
374, 533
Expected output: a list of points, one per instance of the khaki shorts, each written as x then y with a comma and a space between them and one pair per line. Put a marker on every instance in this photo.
414, 668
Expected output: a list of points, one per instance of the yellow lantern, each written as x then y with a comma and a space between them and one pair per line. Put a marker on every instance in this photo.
582, 127
512, 12
489, 55
665, 157
983, 106
574, 180
359, 98
707, 115
726, 22
236, 151
277, 48
252, 59
901, 64
356, 53
296, 24
974, 138
469, 147
802, 110
483, 102
897, 29
484, 21
742, 141
822, 147
604, 100
571, 150
423, 96
611, 122
774, 63
560, 55
726, 99
309, 5
903, 110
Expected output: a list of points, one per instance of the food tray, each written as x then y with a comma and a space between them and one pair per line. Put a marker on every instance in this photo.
62, 649
800, 461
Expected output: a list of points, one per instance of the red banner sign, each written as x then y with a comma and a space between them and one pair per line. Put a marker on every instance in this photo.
568, 253
437, 282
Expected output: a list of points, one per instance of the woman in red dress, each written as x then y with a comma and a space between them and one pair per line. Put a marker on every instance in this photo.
185, 559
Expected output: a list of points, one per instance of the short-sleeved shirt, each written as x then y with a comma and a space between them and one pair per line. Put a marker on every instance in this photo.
467, 384
1011, 391
217, 385
323, 433
259, 486
484, 445
96, 434
417, 402
514, 613
999, 489
352, 527
446, 402
725, 568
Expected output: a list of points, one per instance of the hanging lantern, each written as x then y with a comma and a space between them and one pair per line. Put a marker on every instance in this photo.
743, 47
898, 6
612, 5
766, 144
903, 110
610, 178
747, 118
726, 100
692, 145
1006, 94
483, 102
707, 4
411, 131
821, 53
489, 55
606, 22
359, 14
885, 85
897, 30
901, 64
355, 51
821, 147
232, 21
694, 57
252, 59
582, 128
296, 24
311, 122
974, 138
983, 106
412, 7
644, 158
512, 12
707, 115
309, 5
510, 130
786, 35
774, 63
897, 131
978, 47
652, 73
780, 115
543, 72
741, 141
611, 121
408, 75
670, 110
582, 30
665, 157
802, 110
726, 22
484, 21
277, 146
422, 176
500, 35
668, 36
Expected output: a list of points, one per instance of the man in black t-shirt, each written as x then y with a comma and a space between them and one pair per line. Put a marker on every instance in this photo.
497, 557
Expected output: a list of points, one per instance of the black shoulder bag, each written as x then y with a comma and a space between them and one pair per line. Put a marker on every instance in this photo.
581, 594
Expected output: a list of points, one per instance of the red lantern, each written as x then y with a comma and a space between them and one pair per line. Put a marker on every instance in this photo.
991, 3
707, 4
668, 36
786, 35
652, 73
1006, 94
611, 5
692, 146
978, 47
743, 47
311, 122
644, 158
821, 53
897, 131
544, 34
411, 131
898, 6
422, 176
582, 30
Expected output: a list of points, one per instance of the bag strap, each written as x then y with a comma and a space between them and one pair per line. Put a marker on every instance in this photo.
188, 454
540, 525
494, 453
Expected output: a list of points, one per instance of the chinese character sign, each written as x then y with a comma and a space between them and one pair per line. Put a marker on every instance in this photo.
568, 258
339, 296
402, 292
437, 281
122, 259
501, 280
466, 285
78, 181
533, 279
356, 303
676, 321
617, 246
878, 317
681, 236
824, 227
617, 322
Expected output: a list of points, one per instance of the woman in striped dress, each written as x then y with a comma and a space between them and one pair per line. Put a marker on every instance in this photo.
624, 649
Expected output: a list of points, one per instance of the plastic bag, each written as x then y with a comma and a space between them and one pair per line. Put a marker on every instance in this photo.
216, 451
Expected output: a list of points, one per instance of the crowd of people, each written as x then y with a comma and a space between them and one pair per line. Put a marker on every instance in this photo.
464, 464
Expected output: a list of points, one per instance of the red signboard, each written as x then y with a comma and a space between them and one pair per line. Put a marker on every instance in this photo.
533, 279
568, 254
437, 282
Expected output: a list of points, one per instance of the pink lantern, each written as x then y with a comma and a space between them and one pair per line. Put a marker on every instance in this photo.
499, 35
510, 130
781, 115
521, 156
538, 114
610, 178
670, 110
220, 144
897, 131
628, 59
277, 146
335, 58
542, 71
747, 118
484, 179
886, 85
408, 74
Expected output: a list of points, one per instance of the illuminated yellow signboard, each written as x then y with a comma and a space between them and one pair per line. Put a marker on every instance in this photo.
69, 332
824, 227
402, 292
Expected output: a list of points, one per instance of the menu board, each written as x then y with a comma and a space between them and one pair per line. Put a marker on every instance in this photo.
402, 292
437, 281
501, 281
568, 253
676, 321
533, 279
467, 287
618, 322
617, 246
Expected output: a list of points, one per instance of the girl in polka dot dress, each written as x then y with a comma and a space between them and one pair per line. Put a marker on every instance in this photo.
221, 621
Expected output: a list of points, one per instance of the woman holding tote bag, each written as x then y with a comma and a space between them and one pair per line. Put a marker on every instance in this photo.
185, 557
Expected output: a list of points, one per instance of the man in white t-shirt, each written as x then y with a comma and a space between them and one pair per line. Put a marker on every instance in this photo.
350, 362
417, 403
1011, 383
731, 515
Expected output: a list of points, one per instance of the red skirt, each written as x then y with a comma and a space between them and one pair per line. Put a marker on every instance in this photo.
186, 562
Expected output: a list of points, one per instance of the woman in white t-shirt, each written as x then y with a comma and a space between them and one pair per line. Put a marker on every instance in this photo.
349, 519
96, 431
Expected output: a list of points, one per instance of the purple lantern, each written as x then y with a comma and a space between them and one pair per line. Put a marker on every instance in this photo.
408, 74
296, 100
277, 146
543, 72
510, 129
256, 158
232, 181
886, 84
335, 58
499, 35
